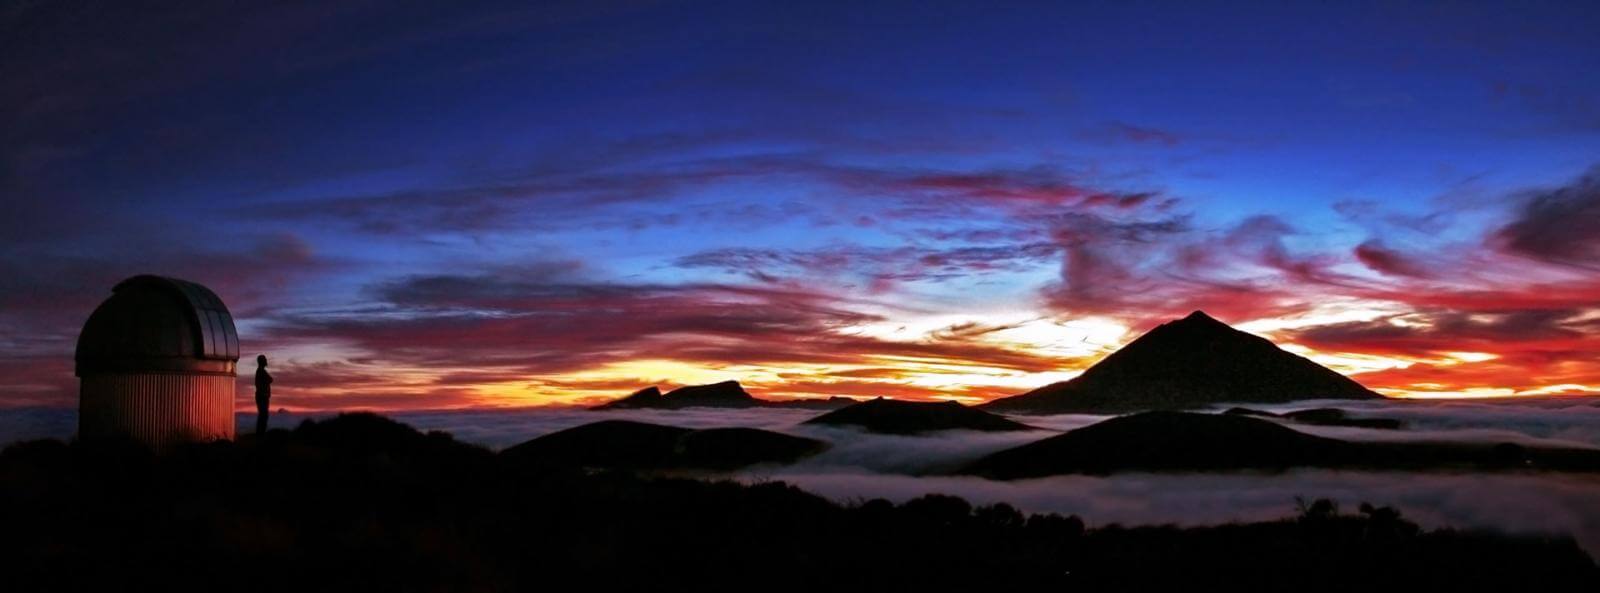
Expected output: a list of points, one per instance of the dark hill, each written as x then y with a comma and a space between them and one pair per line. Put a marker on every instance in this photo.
624, 444
1191, 362
1322, 417
362, 434
1156, 441
1191, 442
906, 417
727, 394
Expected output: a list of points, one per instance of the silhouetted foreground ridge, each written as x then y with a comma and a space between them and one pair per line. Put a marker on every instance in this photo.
359, 503
1192, 362
908, 417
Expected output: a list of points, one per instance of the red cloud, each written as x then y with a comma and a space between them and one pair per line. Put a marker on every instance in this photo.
546, 323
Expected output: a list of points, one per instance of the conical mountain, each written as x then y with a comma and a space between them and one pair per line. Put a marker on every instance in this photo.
1192, 362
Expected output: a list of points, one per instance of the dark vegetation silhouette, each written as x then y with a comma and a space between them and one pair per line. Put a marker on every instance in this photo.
263, 393
1192, 442
359, 502
1192, 362
1322, 417
889, 416
623, 444
727, 394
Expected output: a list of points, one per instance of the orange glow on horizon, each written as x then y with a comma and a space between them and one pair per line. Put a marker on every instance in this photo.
1070, 346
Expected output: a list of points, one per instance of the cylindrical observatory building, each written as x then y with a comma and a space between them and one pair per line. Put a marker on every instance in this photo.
156, 362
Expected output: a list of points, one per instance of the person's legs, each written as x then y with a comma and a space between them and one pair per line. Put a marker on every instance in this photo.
261, 418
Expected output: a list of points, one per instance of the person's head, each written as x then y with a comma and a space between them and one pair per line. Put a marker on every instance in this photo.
261, 360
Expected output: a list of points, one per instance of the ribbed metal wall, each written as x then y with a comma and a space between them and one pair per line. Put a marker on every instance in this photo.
157, 408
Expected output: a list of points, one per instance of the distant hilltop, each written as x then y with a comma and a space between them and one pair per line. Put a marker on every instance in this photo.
727, 394
1191, 362
905, 417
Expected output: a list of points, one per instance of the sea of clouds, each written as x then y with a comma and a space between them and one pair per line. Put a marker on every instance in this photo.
861, 465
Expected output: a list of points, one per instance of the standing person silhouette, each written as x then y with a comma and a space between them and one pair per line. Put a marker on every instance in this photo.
263, 393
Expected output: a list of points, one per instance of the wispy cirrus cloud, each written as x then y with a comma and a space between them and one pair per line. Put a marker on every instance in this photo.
878, 266
1126, 132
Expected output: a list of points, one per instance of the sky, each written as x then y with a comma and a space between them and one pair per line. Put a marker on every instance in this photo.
466, 204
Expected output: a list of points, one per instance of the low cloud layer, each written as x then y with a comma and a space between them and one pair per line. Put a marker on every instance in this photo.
861, 465
1560, 422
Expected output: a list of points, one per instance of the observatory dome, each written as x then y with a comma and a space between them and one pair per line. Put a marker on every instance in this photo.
156, 362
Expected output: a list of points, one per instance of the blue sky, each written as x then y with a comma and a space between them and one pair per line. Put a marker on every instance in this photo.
839, 168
